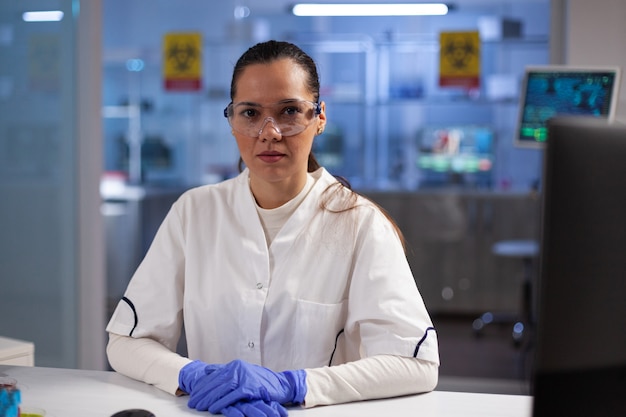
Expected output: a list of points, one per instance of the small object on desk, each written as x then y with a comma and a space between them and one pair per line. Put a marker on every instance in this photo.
28, 411
10, 397
135, 412
7, 383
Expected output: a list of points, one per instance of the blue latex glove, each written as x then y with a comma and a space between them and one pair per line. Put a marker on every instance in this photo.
256, 408
241, 381
193, 373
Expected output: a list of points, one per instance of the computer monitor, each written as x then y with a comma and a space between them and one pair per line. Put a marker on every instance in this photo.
580, 356
548, 91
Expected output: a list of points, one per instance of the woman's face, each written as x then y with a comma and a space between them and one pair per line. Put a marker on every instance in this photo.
272, 157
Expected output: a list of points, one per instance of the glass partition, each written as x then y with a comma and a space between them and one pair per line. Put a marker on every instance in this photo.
41, 176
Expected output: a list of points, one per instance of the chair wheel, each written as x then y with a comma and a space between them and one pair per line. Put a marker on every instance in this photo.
478, 325
518, 333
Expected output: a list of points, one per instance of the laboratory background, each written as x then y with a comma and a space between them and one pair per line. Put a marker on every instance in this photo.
98, 138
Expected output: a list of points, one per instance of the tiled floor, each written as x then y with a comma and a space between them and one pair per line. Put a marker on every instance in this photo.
490, 362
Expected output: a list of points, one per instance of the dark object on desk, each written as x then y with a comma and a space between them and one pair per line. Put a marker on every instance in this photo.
135, 412
580, 367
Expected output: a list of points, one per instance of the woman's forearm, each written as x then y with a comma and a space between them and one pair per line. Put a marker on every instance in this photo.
381, 376
145, 360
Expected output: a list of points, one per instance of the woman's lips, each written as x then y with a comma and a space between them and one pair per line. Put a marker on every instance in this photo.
271, 157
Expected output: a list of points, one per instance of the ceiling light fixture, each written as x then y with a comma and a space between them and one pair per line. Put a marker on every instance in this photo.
43, 16
370, 9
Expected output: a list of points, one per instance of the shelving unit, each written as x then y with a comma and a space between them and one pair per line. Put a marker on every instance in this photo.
381, 95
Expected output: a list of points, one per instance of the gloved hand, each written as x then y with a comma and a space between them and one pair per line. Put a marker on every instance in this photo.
192, 373
241, 381
256, 408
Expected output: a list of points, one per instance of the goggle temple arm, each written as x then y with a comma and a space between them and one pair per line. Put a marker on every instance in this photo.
226, 109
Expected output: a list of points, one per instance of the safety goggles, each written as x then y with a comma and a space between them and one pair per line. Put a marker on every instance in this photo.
288, 117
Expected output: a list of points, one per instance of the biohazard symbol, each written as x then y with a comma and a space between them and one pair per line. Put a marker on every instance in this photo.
459, 51
182, 57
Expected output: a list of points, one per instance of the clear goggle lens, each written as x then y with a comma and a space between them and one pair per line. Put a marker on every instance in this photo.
288, 117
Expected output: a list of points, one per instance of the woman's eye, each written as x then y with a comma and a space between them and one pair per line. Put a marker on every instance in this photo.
291, 110
249, 113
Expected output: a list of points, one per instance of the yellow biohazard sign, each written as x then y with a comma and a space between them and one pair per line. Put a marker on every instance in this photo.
459, 59
182, 61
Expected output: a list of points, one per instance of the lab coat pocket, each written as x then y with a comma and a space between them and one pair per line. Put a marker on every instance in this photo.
317, 326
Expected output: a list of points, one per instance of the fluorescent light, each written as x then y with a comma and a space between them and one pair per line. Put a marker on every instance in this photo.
370, 9
43, 16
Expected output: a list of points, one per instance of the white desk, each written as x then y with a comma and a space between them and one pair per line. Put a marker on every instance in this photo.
75, 393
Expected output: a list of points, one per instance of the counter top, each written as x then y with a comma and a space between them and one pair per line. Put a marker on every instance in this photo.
82, 393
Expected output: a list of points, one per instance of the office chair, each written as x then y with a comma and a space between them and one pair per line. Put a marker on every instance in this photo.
526, 250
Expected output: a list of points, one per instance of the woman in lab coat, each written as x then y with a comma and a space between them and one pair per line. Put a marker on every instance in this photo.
292, 288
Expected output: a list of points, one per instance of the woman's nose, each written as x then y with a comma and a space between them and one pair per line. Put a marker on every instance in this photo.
269, 130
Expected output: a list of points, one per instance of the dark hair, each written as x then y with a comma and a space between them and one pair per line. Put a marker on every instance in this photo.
268, 52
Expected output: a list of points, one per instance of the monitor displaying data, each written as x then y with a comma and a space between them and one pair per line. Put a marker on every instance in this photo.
549, 91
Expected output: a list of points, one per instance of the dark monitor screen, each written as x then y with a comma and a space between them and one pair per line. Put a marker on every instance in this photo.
562, 90
580, 363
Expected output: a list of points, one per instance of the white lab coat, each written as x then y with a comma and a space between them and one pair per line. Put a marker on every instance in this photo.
331, 288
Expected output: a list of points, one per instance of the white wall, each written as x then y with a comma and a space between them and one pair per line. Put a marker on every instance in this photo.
596, 35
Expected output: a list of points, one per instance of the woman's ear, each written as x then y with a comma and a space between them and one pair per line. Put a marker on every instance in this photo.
321, 124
